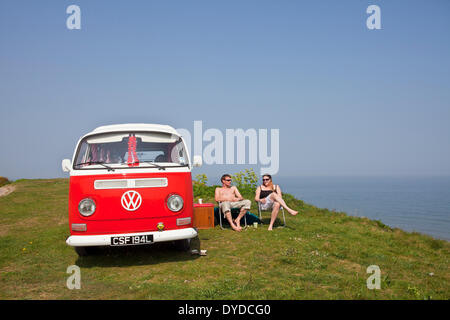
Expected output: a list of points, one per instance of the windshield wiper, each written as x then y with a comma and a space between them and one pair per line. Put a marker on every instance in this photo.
96, 162
151, 163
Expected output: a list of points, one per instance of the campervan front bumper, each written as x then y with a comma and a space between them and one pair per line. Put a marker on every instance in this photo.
130, 238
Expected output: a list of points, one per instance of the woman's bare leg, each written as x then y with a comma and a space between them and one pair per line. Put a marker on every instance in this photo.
275, 210
279, 199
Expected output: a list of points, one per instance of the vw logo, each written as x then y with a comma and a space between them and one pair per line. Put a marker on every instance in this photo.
131, 200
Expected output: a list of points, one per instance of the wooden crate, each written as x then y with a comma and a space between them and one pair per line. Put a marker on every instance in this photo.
204, 215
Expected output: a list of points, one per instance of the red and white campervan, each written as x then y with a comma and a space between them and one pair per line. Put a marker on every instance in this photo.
130, 184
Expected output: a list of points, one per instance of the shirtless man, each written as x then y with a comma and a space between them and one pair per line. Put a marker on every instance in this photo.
229, 197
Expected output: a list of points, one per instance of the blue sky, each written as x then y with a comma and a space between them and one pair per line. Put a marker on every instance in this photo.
347, 100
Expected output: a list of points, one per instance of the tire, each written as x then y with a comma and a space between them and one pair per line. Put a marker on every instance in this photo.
183, 245
84, 251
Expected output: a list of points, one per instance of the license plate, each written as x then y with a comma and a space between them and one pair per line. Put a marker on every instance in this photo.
131, 240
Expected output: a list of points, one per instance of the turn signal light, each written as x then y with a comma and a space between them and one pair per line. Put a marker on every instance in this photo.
79, 227
183, 221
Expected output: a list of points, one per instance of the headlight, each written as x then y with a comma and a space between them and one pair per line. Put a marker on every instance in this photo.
86, 207
175, 203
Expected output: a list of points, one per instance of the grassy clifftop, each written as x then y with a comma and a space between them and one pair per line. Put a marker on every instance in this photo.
320, 255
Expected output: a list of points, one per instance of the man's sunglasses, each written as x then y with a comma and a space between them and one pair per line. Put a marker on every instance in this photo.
227, 179
266, 179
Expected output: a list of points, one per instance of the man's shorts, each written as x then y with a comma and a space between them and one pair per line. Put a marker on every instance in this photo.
227, 205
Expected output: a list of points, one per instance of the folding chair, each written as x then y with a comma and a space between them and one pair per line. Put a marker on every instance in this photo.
221, 214
260, 214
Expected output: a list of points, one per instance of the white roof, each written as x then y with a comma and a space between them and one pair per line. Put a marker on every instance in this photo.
135, 127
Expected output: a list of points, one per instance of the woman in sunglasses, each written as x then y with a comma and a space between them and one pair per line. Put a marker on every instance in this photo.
269, 196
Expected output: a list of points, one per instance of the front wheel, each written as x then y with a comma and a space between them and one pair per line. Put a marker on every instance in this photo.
84, 251
183, 245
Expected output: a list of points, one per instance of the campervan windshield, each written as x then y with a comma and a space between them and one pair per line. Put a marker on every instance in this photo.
131, 149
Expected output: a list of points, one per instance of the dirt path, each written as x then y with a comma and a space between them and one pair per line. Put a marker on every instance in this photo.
5, 190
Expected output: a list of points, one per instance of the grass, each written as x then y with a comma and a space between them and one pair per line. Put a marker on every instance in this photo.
320, 255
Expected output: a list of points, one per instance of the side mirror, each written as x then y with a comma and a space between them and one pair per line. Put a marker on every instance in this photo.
197, 161
66, 165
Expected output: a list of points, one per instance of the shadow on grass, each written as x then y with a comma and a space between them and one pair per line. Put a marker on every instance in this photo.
157, 253
265, 223
278, 224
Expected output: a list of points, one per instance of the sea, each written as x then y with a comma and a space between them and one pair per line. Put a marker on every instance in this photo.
419, 204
